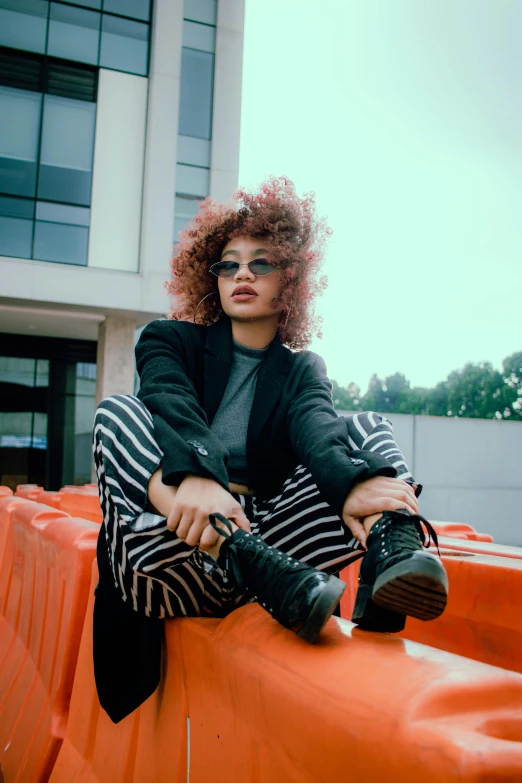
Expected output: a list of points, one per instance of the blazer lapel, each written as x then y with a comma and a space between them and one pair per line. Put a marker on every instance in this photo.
270, 382
217, 365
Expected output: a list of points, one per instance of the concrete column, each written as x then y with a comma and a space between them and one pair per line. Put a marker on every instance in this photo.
157, 225
226, 118
115, 357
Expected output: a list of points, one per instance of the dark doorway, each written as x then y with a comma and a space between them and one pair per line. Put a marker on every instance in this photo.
47, 399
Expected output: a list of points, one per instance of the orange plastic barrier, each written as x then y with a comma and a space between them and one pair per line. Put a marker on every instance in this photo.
5, 490
245, 700
7, 505
76, 501
27, 491
483, 618
53, 499
481, 547
44, 585
460, 530
84, 503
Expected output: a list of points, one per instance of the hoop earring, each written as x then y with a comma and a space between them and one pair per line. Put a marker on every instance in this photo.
287, 317
201, 302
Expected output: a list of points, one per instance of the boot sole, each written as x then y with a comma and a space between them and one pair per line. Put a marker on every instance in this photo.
371, 617
323, 608
417, 587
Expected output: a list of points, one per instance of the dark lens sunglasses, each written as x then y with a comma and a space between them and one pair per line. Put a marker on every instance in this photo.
258, 267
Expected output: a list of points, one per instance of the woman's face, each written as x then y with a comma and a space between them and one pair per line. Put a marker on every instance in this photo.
256, 304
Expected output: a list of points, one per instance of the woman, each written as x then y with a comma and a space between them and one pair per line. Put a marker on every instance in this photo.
230, 477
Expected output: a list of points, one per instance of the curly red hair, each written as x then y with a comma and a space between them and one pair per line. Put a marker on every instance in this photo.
288, 225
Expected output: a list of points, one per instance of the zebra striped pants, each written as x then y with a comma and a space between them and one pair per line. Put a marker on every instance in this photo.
158, 573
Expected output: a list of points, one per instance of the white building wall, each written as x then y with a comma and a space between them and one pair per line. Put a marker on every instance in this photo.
117, 180
161, 152
226, 118
471, 470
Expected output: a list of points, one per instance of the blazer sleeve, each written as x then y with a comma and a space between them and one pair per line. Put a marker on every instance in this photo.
320, 439
180, 423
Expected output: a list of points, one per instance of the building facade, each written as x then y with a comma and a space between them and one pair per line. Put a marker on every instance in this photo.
116, 118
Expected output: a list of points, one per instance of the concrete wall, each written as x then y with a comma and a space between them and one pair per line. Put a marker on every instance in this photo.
471, 470
117, 179
226, 118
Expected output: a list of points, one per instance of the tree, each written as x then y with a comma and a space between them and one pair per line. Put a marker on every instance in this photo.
476, 392
347, 398
397, 388
387, 396
416, 401
375, 397
512, 374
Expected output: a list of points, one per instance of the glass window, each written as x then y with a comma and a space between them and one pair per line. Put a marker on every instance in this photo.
199, 36
19, 130
62, 213
201, 11
90, 3
16, 429
17, 370
66, 150
23, 24
74, 33
71, 80
16, 227
195, 152
42, 372
192, 181
62, 243
195, 108
186, 209
136, 9
85, 408
15, 237
124, 45
39, 431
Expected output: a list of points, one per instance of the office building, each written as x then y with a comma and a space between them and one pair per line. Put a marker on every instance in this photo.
116, 118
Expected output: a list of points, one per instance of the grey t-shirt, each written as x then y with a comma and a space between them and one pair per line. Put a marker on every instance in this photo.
230, 423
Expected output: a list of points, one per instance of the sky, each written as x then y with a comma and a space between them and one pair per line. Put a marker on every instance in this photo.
404, 117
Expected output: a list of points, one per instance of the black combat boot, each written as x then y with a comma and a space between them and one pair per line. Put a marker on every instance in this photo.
297, 595
398, 577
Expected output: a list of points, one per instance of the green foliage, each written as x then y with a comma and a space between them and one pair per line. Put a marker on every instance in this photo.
477, 391
347, 398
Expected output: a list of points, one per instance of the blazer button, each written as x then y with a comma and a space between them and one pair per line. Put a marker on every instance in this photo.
203, 452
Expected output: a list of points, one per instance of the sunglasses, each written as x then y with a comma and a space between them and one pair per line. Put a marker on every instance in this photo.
258, 267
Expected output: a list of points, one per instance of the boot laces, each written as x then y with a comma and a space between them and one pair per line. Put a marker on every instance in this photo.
398, 533
273, 573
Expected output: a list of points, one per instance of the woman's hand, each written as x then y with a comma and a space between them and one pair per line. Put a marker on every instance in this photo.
196, 498
374, 496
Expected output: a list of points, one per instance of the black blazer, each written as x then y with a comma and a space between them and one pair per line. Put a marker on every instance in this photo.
184, 370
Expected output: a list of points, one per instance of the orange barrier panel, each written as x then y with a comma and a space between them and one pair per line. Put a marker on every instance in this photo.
7, 505
45, 581
27, 491
483, 618
245, 700
53, 499
481, 547
460, 530
5, 490
85, 504
76, 501
95, 749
